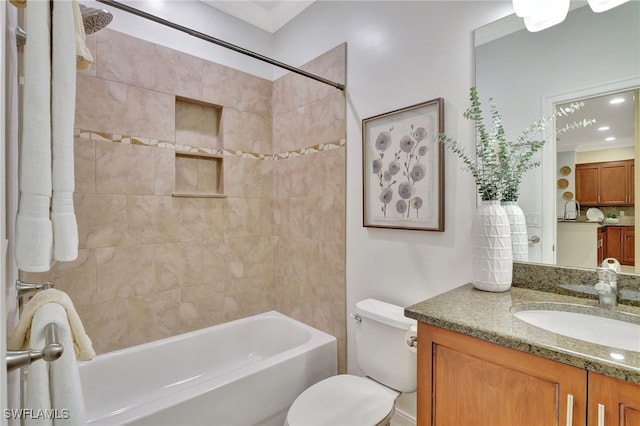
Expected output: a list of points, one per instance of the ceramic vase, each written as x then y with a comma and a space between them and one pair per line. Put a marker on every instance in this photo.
491, 248
518, 225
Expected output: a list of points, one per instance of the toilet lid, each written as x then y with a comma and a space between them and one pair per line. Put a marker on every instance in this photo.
341, 400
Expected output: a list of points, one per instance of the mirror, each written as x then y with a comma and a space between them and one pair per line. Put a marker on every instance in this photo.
529, 74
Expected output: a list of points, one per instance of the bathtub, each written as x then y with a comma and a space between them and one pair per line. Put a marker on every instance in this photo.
244, 372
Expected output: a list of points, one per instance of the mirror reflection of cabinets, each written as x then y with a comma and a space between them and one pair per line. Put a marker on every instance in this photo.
608, 183
528, 75
618, 242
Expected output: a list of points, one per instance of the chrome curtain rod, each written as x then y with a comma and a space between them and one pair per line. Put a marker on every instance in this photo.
219, 42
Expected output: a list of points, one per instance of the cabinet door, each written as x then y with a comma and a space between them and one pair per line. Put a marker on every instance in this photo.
587, 184
613, 402
628, 246
613, 235
464, 381
614, 183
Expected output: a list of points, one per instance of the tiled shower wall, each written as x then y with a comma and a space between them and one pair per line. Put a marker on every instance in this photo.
152, 265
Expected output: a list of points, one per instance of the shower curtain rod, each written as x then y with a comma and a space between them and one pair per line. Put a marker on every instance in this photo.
219, 42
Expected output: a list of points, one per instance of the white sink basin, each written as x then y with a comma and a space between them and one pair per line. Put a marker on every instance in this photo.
591, 328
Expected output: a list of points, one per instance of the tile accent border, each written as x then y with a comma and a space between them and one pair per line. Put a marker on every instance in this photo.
144, 141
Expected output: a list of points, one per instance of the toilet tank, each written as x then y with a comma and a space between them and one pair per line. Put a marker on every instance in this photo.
381, 348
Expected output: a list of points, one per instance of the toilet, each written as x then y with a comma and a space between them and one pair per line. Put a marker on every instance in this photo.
386, 358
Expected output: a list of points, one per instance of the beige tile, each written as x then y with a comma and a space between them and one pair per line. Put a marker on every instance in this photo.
102, 220
233, 176
252, 256
248, 296
222, 85
201, 306
247, 132
246, 217
152, 317
125, 271
124, 169
201, 218
100, 105
165, 171
126, 59
150, 114
256, 95
219, 262
106, 325
178, 265
84, 157
257, 178
197, 124
289, 132
209, 176
186, 175
283, 95
153, 220
76, 278
330, 168
178, 73
319, 121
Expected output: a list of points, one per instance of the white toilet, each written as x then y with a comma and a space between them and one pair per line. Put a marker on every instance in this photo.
384, 356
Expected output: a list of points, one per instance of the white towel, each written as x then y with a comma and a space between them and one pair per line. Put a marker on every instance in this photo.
63, 105
34, 232
46, 228
54, 386
84, 58
81, 343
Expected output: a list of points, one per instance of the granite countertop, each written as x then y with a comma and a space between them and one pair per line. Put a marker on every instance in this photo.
489, 316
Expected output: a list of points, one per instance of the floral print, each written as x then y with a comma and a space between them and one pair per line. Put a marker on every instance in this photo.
403, 152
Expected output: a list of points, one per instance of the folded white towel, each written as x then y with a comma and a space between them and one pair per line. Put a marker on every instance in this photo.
55, 385
84, 58
63, 105
19, 337
34, 232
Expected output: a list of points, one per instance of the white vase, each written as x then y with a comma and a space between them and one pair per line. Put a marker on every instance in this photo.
519, 235
491, 248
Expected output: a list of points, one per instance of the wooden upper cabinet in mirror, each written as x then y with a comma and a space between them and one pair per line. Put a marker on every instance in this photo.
605, 184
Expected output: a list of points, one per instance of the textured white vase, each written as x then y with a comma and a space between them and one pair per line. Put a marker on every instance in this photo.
491, 248
519, 236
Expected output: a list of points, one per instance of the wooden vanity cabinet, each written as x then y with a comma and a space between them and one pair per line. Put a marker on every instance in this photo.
619, 243
463, 381
605, 184
618, 401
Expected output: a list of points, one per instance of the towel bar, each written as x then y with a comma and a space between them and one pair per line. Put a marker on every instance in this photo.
24, 289
52, 351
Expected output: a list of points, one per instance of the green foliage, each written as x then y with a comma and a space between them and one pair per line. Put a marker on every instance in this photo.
499, 164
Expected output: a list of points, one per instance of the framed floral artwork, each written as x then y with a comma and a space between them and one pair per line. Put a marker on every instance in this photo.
403, 168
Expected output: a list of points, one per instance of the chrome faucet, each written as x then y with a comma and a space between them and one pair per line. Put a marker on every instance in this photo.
607, 287
577, 210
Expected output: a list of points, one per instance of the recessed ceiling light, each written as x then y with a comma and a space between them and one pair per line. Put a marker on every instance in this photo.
610, 138
616, 101
603, 128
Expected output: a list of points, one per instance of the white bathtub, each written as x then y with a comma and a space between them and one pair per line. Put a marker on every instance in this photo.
244, 372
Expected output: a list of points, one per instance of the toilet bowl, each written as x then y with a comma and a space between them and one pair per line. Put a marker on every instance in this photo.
343, 400
390, 365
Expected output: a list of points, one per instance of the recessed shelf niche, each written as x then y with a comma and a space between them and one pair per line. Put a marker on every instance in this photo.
198, 174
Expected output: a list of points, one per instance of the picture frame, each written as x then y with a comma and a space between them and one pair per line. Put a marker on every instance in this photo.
403, 168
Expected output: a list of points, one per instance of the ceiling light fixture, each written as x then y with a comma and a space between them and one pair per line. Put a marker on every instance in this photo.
603, 128
610, 139
615, 101
541, 14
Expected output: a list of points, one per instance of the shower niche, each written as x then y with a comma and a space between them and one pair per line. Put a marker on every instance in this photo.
198, 157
